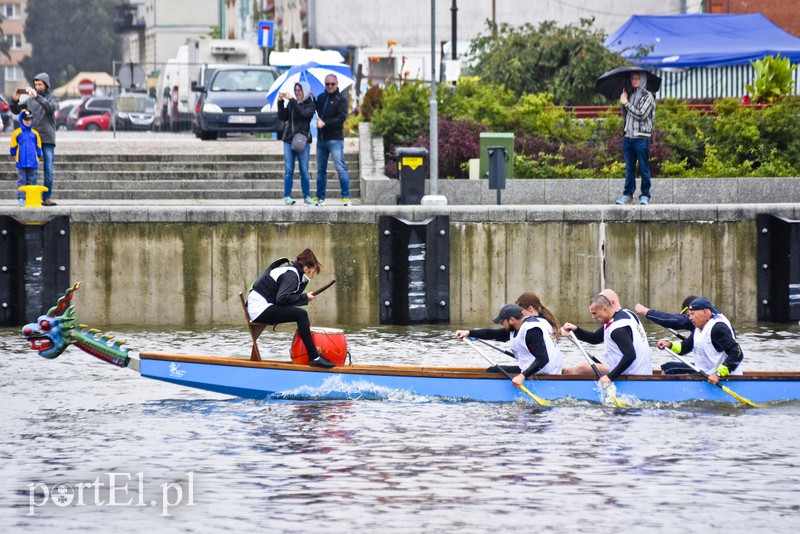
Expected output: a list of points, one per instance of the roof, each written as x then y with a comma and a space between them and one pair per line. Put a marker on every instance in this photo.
102, 81
703, 40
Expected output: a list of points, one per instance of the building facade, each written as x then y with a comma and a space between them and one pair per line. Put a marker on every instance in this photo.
783, 13
11, 76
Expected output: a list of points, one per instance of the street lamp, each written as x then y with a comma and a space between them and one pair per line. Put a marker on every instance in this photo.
434, 198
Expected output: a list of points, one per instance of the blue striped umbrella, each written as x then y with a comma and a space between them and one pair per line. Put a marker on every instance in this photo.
313, 73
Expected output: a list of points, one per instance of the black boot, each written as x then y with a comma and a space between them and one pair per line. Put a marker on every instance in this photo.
321, 361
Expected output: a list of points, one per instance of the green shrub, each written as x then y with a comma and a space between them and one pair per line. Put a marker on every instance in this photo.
403, 112
773, 79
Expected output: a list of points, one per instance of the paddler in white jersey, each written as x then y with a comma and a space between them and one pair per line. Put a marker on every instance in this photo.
626, 348
713, 342
532, 342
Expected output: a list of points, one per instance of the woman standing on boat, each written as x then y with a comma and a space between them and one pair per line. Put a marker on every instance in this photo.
277, 294
532, 337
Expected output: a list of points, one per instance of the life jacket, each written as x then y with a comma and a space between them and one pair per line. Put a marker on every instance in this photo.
265, 284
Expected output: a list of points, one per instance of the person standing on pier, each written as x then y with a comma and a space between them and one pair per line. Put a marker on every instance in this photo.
26, 149
639, 115
42, 104
331, 115
296, 113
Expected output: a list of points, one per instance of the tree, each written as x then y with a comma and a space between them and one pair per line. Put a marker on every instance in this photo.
563, 61
70, 36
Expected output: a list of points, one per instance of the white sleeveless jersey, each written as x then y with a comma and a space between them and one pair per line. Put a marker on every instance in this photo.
706, 357
643, 364
524, 356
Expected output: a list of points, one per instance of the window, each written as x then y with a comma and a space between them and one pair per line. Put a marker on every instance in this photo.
14, 41
13, 73
9, 11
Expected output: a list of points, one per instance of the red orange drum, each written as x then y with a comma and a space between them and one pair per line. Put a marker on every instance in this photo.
330, 342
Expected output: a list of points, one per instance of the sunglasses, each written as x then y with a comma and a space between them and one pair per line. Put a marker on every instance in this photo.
330, 84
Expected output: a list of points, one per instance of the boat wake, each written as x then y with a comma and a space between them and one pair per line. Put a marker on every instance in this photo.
335, 388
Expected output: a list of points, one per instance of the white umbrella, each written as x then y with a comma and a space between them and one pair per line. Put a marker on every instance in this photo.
313, 73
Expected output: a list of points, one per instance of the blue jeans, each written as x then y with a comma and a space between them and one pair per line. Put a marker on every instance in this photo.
334, 147
25, 176
48, 153
636, 149
289, 156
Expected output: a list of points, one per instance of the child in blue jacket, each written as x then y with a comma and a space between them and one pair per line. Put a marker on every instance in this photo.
26, 149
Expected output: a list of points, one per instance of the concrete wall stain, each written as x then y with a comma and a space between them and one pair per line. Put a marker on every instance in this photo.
190, 274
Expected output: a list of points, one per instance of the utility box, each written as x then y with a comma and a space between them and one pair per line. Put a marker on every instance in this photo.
412, 169
497, 139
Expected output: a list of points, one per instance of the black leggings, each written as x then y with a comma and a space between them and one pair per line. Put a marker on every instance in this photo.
276, 314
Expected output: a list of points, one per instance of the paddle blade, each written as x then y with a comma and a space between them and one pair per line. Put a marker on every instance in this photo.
610, 392
738, 397
543, 402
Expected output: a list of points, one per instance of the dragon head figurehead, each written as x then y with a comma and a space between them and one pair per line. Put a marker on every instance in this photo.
50, 335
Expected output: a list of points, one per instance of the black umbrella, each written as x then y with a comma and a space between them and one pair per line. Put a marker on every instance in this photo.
614, 81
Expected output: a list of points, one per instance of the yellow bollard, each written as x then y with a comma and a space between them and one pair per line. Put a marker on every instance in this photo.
33, 195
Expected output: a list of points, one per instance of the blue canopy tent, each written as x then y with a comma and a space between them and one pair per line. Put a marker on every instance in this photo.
703, 55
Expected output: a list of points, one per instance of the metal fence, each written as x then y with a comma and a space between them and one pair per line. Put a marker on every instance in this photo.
710, 82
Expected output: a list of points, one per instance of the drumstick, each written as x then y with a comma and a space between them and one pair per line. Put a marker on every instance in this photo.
323, 288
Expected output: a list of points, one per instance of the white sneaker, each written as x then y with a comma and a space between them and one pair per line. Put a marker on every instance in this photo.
345, 201
321, 202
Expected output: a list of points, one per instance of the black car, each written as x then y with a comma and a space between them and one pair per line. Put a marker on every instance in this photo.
93, 105
235, 100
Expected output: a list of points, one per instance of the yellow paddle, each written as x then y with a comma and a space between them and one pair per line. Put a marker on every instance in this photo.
539, 400
610, 390
696, 369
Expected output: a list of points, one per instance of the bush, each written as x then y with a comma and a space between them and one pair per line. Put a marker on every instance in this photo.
459, 142
403, 112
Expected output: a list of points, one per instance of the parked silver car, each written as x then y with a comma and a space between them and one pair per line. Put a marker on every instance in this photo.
235, 100
134, 111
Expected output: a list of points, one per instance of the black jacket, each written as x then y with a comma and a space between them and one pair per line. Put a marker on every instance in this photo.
287, 290
332, 109
299, 113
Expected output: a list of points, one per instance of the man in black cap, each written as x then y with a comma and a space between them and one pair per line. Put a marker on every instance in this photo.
531, 342
42, 104
713, 342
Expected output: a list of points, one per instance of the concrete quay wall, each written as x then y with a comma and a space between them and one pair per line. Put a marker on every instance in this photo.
185, 265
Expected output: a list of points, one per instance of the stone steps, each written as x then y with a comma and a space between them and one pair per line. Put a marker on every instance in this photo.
176, 176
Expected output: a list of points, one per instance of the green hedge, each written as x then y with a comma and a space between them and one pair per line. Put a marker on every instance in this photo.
735, 141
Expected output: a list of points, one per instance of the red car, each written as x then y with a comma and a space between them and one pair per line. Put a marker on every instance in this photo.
94, 123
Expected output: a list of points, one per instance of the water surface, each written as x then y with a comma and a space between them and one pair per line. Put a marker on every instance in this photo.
399, 464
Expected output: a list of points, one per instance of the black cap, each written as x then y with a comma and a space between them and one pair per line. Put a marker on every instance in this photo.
26, 115
508, 311
702, 304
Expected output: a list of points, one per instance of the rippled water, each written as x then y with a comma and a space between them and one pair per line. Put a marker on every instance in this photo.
404, 464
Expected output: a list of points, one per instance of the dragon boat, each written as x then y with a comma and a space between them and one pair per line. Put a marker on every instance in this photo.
266, 379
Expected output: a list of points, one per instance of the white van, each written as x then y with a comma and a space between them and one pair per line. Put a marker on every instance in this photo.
175, 100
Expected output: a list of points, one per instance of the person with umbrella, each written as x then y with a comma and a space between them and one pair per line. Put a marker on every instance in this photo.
296, 113
638, 114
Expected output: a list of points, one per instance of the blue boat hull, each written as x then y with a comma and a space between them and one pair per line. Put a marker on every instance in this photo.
279, 380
